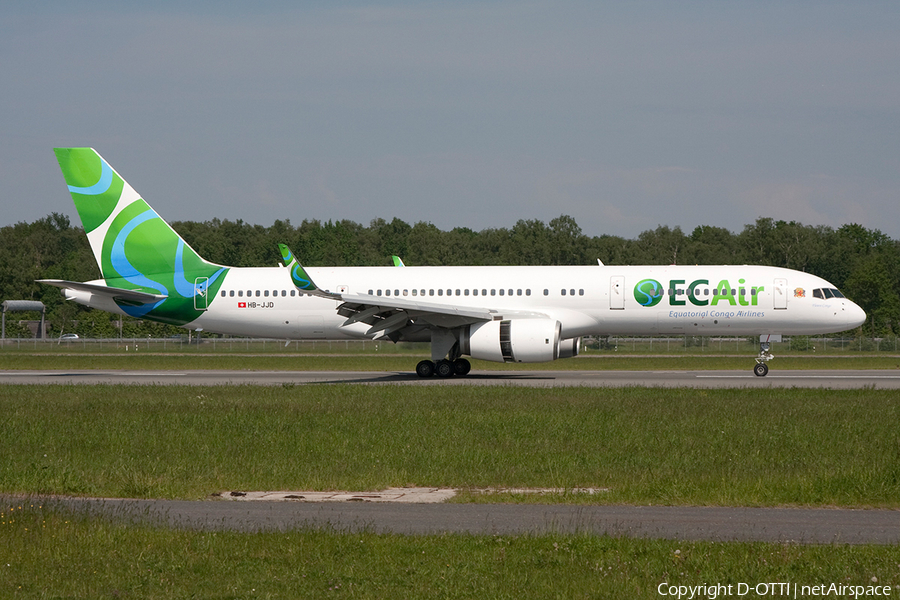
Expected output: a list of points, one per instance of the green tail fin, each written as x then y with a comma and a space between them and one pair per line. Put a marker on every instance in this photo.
134, 248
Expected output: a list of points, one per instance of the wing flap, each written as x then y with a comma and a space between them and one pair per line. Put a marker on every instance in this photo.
385, 313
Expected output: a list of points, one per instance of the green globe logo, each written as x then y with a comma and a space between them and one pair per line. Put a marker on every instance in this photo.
648, 292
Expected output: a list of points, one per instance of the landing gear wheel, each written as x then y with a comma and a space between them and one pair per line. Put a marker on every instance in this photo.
461, 367
765, 356
444, 368
425, 368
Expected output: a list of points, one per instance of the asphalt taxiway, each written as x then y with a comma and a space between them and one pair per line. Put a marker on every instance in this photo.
810, 526
836, 379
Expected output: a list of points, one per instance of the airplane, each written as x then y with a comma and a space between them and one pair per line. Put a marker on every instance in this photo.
522, 314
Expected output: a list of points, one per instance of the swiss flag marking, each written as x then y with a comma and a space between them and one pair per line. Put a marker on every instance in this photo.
242, 305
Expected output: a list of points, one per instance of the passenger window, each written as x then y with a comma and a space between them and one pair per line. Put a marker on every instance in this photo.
484, 292
572, 292
546, 292
406, 292
415, 292
518, 292
581, 292
502, 292
562, 292
231, 293
493, 292
266, 294
528, 292
457, 292
431, 292
440, 292
466, 292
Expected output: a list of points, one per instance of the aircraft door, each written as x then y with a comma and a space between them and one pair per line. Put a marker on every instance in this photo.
781, 290
617, 293
201, 293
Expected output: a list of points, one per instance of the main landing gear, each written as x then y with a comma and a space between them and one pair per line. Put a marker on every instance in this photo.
444, 368
760, 369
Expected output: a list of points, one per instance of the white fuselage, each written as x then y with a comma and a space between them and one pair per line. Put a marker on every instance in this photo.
585, 300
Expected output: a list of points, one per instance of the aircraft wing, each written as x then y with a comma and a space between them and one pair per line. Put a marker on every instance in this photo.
133, 297
389, 314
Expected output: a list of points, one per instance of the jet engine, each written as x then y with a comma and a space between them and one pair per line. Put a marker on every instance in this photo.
517, 340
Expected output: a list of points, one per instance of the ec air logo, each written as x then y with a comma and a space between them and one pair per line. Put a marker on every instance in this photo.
648, 292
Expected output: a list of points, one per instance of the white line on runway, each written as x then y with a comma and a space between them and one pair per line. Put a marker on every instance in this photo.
798, 377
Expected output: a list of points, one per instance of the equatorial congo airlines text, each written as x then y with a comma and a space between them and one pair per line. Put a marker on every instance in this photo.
650, 292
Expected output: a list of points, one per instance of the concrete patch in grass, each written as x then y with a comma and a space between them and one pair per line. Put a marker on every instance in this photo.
410, 495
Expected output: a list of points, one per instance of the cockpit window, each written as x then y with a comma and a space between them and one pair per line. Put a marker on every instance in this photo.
826, 293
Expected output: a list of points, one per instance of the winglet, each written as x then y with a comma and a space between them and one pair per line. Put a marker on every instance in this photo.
301, 279
398, 262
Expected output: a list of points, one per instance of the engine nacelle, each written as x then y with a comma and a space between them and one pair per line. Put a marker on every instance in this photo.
569, 348
518, 340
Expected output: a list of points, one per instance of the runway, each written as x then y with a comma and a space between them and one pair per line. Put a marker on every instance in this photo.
837, 379
808, 526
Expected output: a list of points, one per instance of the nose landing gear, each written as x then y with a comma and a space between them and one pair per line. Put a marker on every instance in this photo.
760, 369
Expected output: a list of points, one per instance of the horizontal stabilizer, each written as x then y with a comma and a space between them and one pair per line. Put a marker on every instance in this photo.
127, 296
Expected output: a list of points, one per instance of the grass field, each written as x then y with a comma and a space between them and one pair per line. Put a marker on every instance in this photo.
803, 447
48, 553
51, 554
647, 446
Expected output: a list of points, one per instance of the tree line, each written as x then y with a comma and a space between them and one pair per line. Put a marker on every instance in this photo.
863, 263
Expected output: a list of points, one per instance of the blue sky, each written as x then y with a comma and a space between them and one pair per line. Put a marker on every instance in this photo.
625, 116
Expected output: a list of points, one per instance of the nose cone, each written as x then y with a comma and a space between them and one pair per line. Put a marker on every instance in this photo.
854, 316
